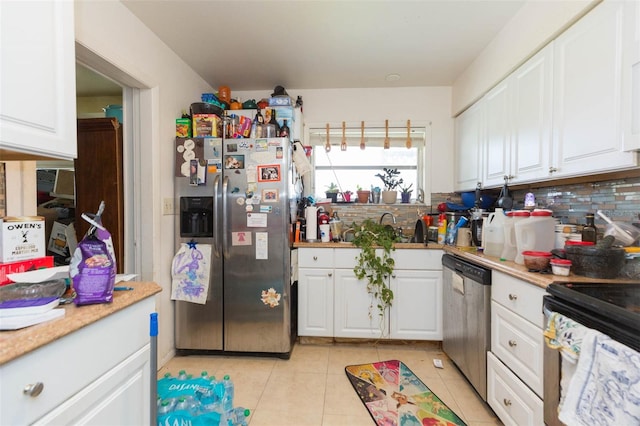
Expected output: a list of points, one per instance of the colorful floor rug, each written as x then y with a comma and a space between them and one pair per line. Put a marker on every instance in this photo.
395, 396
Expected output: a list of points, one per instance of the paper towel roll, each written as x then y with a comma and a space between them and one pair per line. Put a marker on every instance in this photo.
311, 215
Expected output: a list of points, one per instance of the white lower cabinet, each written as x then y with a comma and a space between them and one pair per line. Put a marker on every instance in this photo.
332, 302
515, 368
99, 374
513, 402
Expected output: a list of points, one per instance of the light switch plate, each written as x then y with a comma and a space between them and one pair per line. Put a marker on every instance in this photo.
167, 206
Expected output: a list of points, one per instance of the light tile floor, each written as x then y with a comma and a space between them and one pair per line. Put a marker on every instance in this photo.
311, 388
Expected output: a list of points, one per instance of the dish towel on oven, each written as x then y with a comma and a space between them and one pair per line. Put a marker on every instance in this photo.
605, 389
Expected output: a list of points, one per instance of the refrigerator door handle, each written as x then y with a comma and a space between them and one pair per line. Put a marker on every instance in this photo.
225, 216
216, 216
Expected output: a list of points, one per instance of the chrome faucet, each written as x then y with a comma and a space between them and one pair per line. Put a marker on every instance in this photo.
393, 218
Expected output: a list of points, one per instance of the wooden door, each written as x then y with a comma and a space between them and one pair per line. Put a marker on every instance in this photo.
98, 171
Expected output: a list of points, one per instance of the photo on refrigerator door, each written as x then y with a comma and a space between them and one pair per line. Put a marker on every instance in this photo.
269, 173
234, 162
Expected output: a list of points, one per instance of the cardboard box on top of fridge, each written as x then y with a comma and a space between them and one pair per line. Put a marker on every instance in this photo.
23, 266
21, 238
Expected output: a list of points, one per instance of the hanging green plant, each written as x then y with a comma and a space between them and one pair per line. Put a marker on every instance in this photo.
375, 269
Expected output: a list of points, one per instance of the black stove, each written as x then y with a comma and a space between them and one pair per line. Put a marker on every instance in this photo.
611, 308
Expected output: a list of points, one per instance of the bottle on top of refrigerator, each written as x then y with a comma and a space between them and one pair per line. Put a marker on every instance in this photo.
493, 233
537, 233
510, 249
442, 228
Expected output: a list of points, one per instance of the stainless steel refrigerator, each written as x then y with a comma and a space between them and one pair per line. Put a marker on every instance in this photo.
240, 201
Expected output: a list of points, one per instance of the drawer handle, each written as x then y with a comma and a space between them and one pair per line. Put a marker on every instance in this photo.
507, 402
33, 389
513, 296
513, 343
315, 257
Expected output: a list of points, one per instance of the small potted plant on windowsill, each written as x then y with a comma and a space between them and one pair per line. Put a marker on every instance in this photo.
405, 193
346, 196
332, 192
363, 195
391, 182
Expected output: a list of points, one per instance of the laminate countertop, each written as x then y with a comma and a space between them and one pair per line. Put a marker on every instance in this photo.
520, 271
15, 343
415, 246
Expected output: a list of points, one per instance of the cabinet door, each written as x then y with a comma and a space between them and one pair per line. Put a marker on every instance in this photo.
587, 112
467, 147
497, 140
416, 312
121, 396
37, 88
530, 109
356, 312
315, 302
631, 76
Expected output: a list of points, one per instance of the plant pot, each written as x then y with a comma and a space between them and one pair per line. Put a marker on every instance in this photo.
389, 197
346, 196
363, 196
333, 196
406, 197
375, 197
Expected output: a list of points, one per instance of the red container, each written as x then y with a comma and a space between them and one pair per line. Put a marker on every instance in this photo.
23, 266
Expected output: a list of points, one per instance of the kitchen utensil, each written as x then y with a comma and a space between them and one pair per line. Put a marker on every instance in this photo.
327, 146
387, 143
362, 135
624, 233
408, 134
504, 200
594, 262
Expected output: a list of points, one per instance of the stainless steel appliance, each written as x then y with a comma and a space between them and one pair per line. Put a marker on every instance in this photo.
467, 318
611, 308
242, 205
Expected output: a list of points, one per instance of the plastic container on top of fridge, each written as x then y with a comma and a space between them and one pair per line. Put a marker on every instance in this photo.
537, 233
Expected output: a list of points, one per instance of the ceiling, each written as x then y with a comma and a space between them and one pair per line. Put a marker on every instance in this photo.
317, 44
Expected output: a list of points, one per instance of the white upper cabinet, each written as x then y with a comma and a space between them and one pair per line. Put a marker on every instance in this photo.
588, 87
517, 123
37, 88
631, 77
467, 147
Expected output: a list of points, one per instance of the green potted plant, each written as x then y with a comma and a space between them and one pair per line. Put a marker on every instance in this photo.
391, 182
375, 264
363, 195
405, 193
332, 192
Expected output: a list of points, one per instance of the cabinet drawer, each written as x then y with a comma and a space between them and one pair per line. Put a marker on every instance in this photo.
415, 259
315, 258
71, 363
520, 297
345, 258
512, 401
519, 344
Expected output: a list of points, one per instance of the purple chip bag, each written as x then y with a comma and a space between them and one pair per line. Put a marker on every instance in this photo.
93, 266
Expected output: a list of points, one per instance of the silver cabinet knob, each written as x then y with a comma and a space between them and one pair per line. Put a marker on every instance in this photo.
513, 343
33, 389
506, 402
513, 297
552, 170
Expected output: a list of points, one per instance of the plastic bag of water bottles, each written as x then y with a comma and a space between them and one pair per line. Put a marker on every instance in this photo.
187, 401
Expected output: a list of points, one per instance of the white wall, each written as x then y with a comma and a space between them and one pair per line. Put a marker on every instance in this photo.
110, 31
421, 105
537, 23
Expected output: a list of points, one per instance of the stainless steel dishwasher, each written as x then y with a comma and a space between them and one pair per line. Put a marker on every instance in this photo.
467, 318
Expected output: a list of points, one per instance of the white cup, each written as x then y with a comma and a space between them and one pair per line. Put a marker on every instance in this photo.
325, 233
464, 237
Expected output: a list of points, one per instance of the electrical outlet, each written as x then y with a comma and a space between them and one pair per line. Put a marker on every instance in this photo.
167, 206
